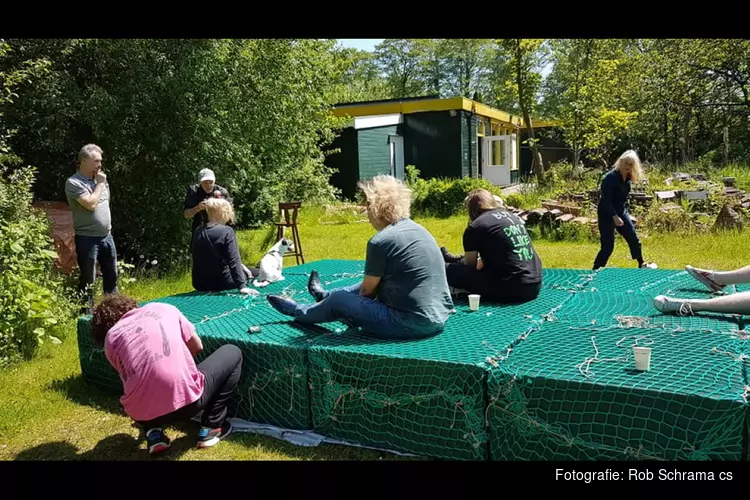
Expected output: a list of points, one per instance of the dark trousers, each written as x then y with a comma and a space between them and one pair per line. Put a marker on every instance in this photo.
89, 251
607, 230
488, 286
222, 370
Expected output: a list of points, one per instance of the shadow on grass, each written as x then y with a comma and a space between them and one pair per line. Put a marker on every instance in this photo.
76, 389
126, 447
116, 447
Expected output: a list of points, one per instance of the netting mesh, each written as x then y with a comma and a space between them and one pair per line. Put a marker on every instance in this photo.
95, 368
424, 396
505, 382
605, 309
567, 393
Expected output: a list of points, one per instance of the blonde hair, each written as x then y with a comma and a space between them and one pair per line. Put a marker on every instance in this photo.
388, 198
481, 200
631, 157
219, 210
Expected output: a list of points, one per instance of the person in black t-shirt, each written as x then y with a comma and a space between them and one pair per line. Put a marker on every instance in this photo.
197, 194
217, 265
510, 270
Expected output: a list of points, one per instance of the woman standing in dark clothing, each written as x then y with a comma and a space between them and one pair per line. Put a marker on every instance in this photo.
612, 210
217, 265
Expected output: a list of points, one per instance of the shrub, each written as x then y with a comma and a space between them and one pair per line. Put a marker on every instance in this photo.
33, 304
256, 111
440, 197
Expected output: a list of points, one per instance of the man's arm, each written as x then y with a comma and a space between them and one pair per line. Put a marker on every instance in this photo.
87, 200
189, 213
189, 335
374, 270
471, 252
225, 193
470, 258
192, 205
369, 286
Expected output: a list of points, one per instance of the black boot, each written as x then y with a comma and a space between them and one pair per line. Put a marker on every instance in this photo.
314, 286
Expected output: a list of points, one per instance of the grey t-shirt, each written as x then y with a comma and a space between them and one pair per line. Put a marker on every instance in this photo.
86, 222
408, 260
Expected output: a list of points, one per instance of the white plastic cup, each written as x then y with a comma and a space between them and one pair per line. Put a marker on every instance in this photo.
642, 358
474, 301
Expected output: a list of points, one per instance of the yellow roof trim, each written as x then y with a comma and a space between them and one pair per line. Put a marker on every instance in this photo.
455, 103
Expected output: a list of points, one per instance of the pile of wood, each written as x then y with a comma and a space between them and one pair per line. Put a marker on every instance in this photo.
552, 216
728, 219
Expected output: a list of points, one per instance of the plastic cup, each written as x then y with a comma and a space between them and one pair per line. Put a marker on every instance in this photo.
642, 358
474, 301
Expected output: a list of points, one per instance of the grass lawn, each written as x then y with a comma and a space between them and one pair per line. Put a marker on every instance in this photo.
48, 413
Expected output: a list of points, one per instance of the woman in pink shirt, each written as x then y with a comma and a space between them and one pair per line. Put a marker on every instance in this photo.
152, 348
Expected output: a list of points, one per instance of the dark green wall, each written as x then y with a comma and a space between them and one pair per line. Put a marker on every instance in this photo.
374, 151
469, 145
432, 143
346, 162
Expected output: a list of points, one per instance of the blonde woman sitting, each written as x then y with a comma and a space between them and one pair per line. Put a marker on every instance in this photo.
216, 255
404, 293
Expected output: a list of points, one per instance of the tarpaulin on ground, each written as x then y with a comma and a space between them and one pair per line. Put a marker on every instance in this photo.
61, 219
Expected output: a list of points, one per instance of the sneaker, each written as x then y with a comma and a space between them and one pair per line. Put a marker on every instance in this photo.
649, 265
208, 437
665, 304
705, 278
157, 441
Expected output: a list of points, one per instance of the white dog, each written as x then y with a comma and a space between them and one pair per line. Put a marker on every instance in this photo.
272, 263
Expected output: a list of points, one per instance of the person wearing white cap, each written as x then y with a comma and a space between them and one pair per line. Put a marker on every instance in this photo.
196, 195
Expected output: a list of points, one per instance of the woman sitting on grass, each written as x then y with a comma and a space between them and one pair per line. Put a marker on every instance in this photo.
736, 303
510, 270
404, 293
217, 265
152, 349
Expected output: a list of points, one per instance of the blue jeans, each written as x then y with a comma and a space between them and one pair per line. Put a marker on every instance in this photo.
348, 306
89, 250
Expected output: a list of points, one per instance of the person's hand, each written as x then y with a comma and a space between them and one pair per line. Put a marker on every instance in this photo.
618, 220
249, 291
100, 177
201, 206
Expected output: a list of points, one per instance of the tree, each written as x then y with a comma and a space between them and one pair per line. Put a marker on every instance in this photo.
256, 111
526, 57
401, 61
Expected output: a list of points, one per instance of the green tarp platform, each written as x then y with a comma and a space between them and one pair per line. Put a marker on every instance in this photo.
551, 379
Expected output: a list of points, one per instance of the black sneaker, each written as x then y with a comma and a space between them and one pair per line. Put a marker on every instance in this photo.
157, 441
208, 437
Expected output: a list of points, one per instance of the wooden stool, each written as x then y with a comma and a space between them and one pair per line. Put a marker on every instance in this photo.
290, 220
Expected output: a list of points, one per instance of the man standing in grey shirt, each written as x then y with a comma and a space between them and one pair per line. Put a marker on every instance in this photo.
87, 192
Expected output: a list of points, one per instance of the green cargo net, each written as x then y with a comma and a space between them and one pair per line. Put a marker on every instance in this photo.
626, 310
652, 282
439, 397
426, 397
569, 394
